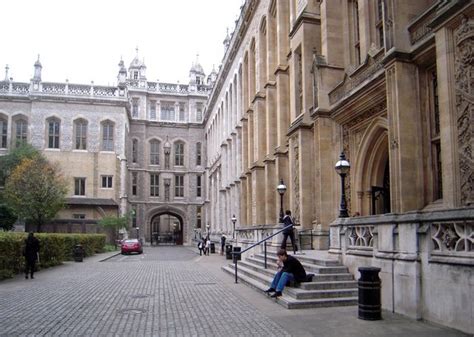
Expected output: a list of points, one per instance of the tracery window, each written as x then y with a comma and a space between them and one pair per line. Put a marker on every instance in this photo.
167, 111
354, 21
379, 23
107, 136
3, 132
179, 186
179, 154
154, 152
53, 133
198, 154
80, 134
135, 107
153, 110
154, 185
134, 183
435, 136
21, 131
198, 186
134, 150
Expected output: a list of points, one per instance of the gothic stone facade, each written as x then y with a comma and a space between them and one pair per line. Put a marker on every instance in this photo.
389, 83
111, 143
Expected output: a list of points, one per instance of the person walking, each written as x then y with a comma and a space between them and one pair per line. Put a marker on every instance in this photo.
208, 245
288, 221
223, 238
201, 247
30, 252
292, 269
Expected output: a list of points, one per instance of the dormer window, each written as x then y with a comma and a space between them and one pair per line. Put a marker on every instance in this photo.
198, 80
135, 75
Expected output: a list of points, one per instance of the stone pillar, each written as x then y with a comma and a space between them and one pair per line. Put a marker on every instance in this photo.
456, 113
123, 186
260, 129
405, 142
325, 207
258, 195
270, 192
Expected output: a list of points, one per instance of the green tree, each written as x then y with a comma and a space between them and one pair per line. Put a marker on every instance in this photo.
115, 223
7, 218
35, 190
11, 160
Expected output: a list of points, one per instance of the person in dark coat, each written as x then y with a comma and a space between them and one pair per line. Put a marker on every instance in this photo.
288, 221
201, 246
292, 269
30, 252
223, 238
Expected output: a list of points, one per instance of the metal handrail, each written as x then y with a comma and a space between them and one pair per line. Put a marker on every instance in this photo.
264, 241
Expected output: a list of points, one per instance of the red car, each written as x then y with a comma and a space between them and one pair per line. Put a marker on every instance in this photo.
131, 245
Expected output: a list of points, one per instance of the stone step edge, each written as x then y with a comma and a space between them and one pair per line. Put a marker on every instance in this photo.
292, 303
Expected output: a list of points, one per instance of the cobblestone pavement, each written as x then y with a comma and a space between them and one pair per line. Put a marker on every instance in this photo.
171, 291
160, 293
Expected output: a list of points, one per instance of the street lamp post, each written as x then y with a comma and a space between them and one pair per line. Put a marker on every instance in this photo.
207, 228
342, 168
234, 220
281, 188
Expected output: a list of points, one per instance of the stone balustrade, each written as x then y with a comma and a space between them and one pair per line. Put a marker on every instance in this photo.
426, 260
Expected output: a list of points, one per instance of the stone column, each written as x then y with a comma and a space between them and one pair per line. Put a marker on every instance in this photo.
405, 142
325, 189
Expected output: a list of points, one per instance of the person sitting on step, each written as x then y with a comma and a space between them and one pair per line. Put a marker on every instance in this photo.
292, 270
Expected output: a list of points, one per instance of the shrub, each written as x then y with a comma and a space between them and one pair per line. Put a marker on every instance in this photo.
54, 249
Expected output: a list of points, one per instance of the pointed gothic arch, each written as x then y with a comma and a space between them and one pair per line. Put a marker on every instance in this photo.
371, 170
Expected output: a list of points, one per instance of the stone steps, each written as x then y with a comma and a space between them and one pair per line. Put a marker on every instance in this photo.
332, 283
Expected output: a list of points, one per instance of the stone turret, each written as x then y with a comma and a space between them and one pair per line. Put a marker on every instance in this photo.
38, 68
196, 73
211, 79
137, 69
122, 75
227, 41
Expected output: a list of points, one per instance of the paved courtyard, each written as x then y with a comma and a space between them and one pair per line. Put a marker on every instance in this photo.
170, 291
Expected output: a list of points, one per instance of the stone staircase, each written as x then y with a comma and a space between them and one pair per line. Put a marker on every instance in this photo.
332, 283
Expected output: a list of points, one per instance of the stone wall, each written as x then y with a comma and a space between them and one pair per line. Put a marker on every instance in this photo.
426, 261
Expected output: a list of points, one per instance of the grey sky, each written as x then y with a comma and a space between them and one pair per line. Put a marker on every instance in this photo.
83, 41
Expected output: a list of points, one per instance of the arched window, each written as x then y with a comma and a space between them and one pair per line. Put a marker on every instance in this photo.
80, 134
107, 136
134, 150
21, 131
154, 152
3, 132
179, 154
54, 127
198, 154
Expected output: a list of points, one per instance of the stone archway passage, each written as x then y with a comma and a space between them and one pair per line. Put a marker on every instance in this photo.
166, 229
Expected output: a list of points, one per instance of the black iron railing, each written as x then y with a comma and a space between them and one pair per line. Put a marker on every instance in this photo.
235, 254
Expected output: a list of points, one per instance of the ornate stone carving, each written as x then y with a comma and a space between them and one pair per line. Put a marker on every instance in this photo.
366, 71
453, 236
360, 236
464, 74
296, 180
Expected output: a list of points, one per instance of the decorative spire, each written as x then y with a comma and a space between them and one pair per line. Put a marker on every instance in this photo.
38, 67
6, 72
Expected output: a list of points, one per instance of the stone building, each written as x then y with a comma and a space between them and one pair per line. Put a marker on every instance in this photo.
389, 84
80, 127
136, 148
166, 153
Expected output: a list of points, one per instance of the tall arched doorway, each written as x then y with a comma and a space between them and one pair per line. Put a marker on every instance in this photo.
372, 170
166, 229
